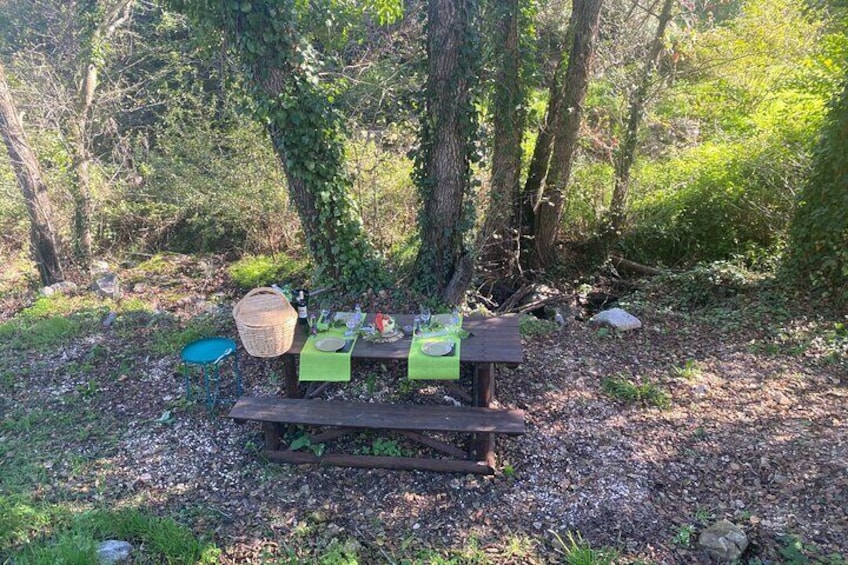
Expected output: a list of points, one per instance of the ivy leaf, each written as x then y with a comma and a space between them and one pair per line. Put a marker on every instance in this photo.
299, 442
246, 7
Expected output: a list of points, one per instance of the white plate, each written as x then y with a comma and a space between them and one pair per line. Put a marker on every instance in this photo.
437, 348
329, 343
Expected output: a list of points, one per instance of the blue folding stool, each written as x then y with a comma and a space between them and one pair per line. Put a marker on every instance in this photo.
209, 353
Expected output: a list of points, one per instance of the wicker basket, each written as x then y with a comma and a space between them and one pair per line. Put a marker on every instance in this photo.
266, 322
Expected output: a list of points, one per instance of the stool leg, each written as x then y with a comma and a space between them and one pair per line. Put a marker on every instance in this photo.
206, 382
187, 382
239, 388
212, 395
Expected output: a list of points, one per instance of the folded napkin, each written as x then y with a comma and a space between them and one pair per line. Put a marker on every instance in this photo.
430, 367
317, 365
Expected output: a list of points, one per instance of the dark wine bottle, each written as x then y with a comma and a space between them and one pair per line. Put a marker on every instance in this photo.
301, 303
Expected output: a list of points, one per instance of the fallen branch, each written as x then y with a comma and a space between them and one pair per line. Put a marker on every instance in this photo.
538, 304
634, 267
516, 297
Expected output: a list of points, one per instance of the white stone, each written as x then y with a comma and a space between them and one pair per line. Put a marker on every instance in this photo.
618, 319
113, 551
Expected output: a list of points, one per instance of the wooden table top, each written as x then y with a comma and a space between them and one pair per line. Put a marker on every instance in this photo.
492, 340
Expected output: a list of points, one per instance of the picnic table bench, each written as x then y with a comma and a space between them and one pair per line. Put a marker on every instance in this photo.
492, 341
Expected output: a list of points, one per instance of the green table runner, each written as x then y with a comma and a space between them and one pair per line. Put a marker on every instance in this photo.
429, 367
317, 365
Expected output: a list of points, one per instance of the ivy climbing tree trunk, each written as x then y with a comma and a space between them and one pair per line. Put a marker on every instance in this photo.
42, 234
626, 154
282, 76
500, 231
115, 14
443, 164
548, 208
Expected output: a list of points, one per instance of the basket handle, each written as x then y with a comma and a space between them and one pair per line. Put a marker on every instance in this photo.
264, 290
260, 290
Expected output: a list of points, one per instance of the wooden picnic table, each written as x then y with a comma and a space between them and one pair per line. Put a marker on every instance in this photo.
491, 341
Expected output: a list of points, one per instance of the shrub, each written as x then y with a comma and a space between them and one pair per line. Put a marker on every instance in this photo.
819, 237
263, 270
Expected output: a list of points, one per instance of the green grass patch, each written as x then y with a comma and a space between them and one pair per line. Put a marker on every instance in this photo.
577, 551
52, 320
264, 270
531, 326
37, 533
690, 370
624, 390
170, 340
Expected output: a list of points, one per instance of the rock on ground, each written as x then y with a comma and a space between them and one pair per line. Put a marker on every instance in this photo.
618, 319
724, 541
64, 287
108, 286
113, 551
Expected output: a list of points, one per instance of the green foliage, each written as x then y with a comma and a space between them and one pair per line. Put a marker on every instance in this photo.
706, 284
683, 535
626, 391
818, 250
167, 341
715, 200
263, 270
690, 370
53, 320
38, 533
386, 448
282, 78
531, 326
577, 551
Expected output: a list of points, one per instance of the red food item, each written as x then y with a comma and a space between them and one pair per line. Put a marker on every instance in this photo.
379, 321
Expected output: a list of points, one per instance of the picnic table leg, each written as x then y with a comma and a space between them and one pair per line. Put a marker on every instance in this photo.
272, 436
484, 391
290, 376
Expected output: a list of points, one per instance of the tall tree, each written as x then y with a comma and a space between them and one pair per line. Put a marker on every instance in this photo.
282, 74
448, 134
106, 18
626, 152
499, 234
28, 172
548, 206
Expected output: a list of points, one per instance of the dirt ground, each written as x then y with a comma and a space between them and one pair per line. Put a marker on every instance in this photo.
756, 432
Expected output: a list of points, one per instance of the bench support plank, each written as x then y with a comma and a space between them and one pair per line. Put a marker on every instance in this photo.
374, 461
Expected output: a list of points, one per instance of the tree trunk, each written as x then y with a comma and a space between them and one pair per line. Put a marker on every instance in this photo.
626, 153
499, 235
548, 208
42, 234
115, 14
538, 169
448, 128
282, 74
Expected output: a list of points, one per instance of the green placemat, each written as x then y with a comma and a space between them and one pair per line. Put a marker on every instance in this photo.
317, 365
429, 367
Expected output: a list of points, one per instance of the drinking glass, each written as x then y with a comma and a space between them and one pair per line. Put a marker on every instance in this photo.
424, 312
351, 324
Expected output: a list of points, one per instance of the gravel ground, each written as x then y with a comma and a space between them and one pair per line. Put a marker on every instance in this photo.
755, 433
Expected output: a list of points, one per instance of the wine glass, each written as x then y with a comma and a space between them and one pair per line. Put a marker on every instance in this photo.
424, 312
351, 322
